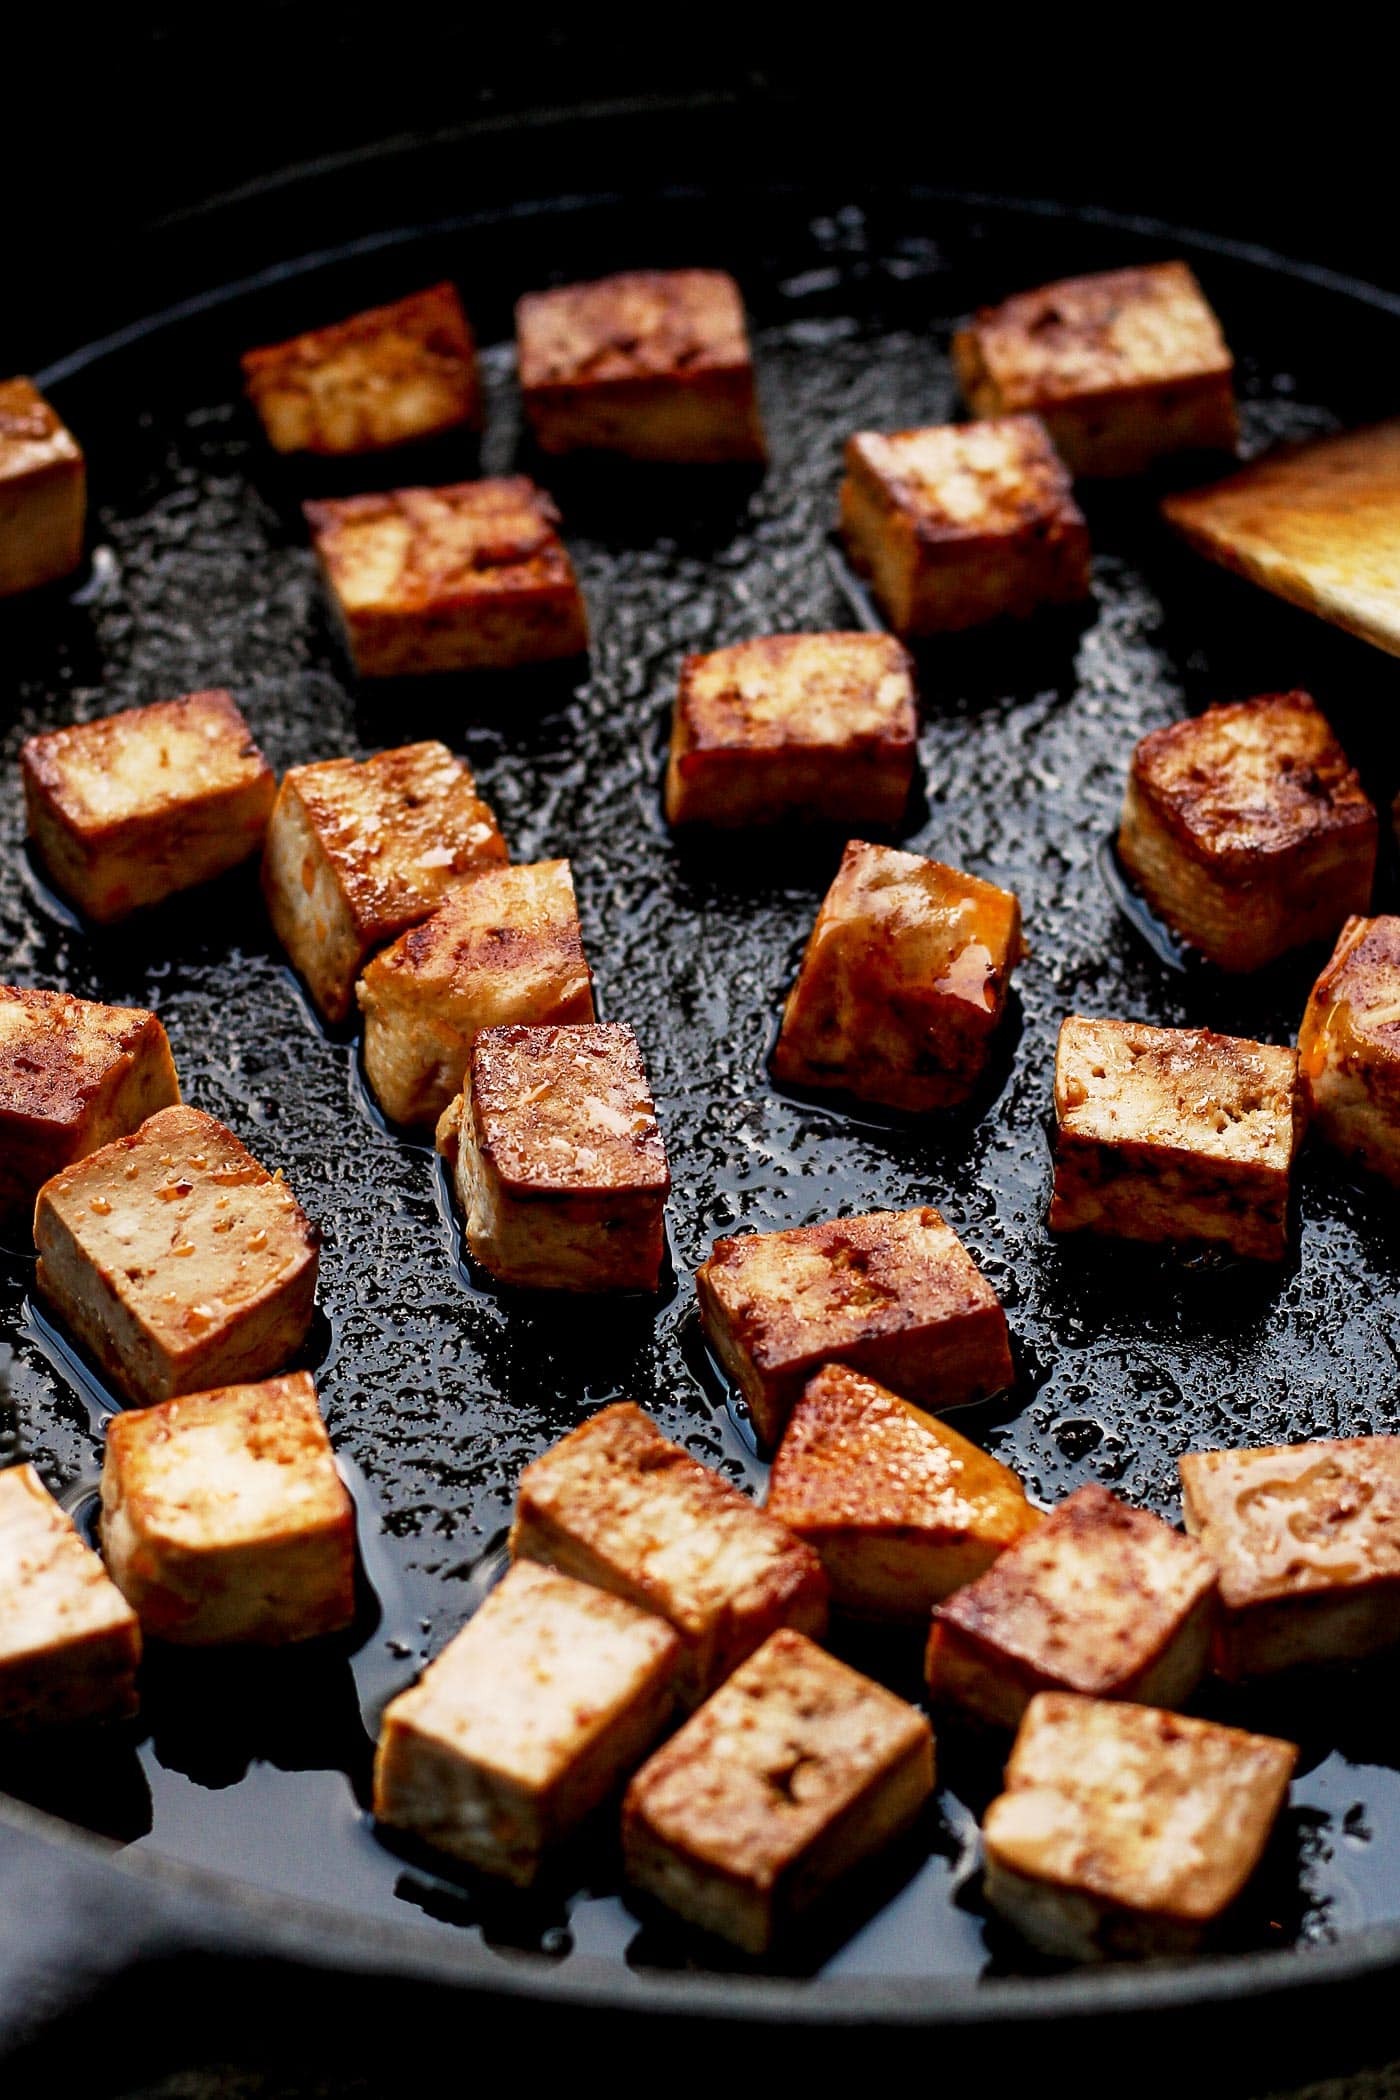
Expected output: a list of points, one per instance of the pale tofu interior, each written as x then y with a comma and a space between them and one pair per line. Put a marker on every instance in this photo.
967, 478
811, 689
139, 763
53, 1588
1289, 1520
1224, 1098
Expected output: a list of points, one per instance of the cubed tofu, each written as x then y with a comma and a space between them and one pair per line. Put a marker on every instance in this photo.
796, 1771
1124, 368
385, 377
894, 1294
813, 726
558, 1160
360, 850
1307, 1541
549, 1697
43, 491
963, 523
73, 1075
503, 948
904, 982
901, 1508
1099, 1598
69, 1641
1247, 830
1127, 1831
471, 577
654, 364
176, 1260
224, 1519
1175, 1134
129, 809
1349, 1046
616, 1505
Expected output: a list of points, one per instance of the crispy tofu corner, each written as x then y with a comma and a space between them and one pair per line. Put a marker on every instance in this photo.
43, 491
1349, 1046
69, 1641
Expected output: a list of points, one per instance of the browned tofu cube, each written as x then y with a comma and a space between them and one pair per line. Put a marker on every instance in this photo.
558, 1160
73, 1075
69, 1641
901, 1508
904, 982
472, 577
816, 726
552, 1693
385, 377
1127, 1831
178, 1262
1175, 1134
1247, 830
796, 1771
894, 1294
963, 523
1124, 368
43, 491
360, 850
224, 1518
616, 1505
1099, 1598
1307, 1541
131, 808
654, 364
1349, 1046
503, 948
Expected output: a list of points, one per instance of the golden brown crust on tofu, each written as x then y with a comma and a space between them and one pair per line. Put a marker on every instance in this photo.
1125, 367
1175, 1134
360, 850
1349, 1046
901, 1508
615, 1504
549, 1696
1099, 1598
793, 1773
69, 1641
1248, 830
903, 983
894, 1294
961, 523
43, 491
176, 1259
468, 577
654, 364
130, 808
1307, 1541
224, 1518
74, 1074
816, 726
503, 948
1127, 1831
388, 376
559, 1160
1317, 524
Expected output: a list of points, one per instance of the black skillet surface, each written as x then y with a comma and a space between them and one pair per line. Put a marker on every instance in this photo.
436, 1389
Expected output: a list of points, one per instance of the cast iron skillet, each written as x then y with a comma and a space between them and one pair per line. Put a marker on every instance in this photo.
239, 1798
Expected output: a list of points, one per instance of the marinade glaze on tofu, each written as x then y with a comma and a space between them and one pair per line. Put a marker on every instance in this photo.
1248, 831
1124, 367
1349, 1046
894, 1294
1307, 1540
1175, 1134
793, 1773
177, 1261
131, 808
552, 1693
69, 1641
43, 491
617, 1505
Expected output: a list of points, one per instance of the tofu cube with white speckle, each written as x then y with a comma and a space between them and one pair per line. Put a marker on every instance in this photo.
43, 491
552, 1693
224, 1519
1126, 1831
617, 1505
177, 1261
69, 1641
1349, 1046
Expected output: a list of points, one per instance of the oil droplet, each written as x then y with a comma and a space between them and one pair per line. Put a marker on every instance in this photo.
257, 1241
101, 1206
